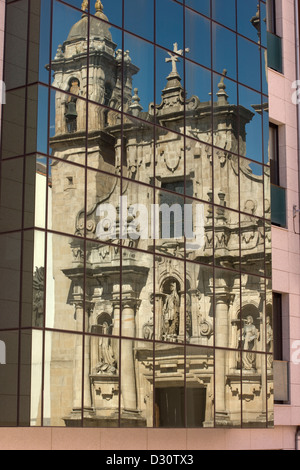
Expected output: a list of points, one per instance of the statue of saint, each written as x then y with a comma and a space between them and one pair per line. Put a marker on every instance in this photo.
250, 338
107, 362
171, 312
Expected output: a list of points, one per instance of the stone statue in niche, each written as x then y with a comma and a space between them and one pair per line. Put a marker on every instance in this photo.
38, 297
250, 338
171, 311
107, 362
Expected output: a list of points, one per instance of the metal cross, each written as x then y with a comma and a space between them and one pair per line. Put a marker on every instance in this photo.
174, 58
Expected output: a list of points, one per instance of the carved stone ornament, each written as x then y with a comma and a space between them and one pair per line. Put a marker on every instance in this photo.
206, 328
172, 160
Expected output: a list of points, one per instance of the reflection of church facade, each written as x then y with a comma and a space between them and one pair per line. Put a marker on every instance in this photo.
205, 304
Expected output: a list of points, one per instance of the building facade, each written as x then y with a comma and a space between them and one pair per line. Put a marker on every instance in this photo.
136, 221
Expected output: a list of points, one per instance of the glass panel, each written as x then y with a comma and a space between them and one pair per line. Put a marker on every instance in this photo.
9, 375
105, 75
225, 115
227, 237
199, 387
252, 245
10, 265
198, 227
11, 194
254, 391
198, 170
38, 42
65, 308
226, 179
224, 12
103, 217
169, 300
167, 10
264, 71
249, 64
102, 292
248, 23
169, 390
138, 152
224, 50
170, 161
267, 189
253, 316
37, 120
137, 375
13, 124
33, 279
137, 294
228, 390
144, 11
32, 342
66, 45
104, 151
250, 139
137, 215
35, 196
251, 184
198, 109
169, 222
199, 305
112, 11
270, 391
169, 89
16, 28
102, 381
63, 379
268, 251
140, 82
202, 7
197, 32
68, 196
68, 124
227, 308
265, 21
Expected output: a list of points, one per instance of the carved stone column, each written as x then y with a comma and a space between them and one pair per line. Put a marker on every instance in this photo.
128, 382
77, 375
221, 341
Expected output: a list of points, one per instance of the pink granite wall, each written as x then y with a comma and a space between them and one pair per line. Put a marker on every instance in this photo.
285, 241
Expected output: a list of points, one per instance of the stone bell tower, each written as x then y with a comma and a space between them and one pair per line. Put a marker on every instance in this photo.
90, 68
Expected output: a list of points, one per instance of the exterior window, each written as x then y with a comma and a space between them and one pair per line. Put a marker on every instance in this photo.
274, 42
278, 193
277, 326
274, 157
271, 16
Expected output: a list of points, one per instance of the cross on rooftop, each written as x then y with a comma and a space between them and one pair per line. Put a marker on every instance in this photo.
174, 58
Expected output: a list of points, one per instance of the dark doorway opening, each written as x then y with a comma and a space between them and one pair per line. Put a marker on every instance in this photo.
170, 407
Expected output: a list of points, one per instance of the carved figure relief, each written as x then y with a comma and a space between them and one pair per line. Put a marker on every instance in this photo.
171, 313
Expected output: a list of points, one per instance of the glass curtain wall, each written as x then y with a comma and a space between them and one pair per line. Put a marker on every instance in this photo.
135, 215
